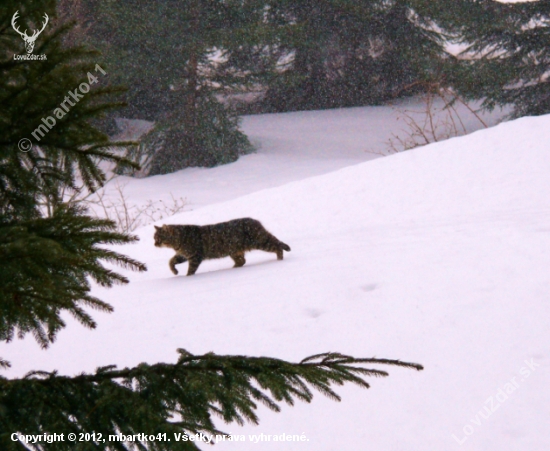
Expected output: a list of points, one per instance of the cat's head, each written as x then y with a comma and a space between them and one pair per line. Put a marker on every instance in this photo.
163, 236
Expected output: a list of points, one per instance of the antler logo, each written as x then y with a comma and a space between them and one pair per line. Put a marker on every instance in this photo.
29, 40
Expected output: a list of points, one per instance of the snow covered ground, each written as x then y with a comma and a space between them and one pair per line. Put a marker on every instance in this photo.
439, 256
290, 147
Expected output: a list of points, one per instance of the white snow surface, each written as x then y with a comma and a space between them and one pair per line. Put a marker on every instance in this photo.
439, 255
289, 147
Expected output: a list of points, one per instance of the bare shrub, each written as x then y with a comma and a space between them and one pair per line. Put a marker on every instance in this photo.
439, 119
127, 216
116, 206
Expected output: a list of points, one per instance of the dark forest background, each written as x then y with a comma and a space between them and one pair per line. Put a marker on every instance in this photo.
193, 65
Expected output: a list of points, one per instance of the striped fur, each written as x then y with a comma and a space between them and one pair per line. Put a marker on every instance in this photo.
232, 238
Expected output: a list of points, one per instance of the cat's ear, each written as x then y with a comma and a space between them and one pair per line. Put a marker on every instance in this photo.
158, 228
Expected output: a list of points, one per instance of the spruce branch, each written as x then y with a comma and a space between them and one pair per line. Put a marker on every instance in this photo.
183, 397
46, 269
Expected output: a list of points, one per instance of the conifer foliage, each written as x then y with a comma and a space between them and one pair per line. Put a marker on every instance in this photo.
171, 55
50, 249
45, 269
347, 53
507, 60
31, 92
180, 398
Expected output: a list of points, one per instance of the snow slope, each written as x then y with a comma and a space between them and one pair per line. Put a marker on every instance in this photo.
290, 147
439, 256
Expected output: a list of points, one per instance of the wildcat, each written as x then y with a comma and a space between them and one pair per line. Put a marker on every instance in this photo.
232, 238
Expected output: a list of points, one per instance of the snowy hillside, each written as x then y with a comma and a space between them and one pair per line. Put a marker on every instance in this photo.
291, 147
439, 256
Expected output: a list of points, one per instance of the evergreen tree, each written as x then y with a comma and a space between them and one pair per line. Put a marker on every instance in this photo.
346, 53
507, 56
173, 55
50, 250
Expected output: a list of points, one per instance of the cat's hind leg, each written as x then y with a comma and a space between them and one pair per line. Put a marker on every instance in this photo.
238, 259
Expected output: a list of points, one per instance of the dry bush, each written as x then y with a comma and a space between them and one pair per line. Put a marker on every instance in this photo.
127, 216
439, 119
118, 208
